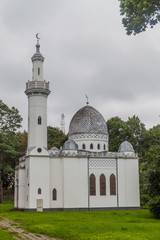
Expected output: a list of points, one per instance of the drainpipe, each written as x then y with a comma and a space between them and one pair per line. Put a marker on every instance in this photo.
117, 183
88, 184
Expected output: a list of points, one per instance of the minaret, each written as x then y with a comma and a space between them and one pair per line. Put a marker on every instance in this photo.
37, 91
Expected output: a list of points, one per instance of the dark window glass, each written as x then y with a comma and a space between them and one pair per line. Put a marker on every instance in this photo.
54, 194
38, 71
102, 185
112, 184
98, 146
39, 120
39, 191
104, 147
92, 185
83, 146
91, 146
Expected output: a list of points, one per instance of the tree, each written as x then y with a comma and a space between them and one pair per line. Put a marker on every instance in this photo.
152, 179
56, 138
139, 14
10, 121
120, 130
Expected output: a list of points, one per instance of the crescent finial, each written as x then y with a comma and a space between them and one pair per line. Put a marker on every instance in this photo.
37, 36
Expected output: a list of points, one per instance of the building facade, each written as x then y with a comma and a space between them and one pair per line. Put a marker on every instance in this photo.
83, 175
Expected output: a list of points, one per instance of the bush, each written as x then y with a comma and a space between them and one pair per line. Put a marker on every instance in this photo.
154, 206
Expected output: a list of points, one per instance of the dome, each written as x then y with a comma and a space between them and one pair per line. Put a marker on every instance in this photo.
87, 120
70, 145
126, 147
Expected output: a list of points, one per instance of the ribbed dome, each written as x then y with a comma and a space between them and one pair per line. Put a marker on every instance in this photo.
126, 147
87, 120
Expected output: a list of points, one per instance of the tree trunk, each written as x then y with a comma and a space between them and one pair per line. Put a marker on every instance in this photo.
1, 191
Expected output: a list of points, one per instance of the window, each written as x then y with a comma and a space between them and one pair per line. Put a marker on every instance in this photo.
38, 71
39, 120
112, 184
98, 146
104, 147
54, 194
91, 146
83, 146
39, 191
102, 185
92, 185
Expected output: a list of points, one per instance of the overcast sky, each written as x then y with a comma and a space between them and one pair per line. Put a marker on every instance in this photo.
86, 51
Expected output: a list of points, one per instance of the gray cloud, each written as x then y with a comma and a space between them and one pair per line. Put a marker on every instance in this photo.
86, 50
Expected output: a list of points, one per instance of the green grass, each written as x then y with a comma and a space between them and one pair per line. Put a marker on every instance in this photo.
109, 225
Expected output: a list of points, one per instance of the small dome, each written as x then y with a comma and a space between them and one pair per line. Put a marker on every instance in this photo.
54, 149
70, 145
126, 147
87, 120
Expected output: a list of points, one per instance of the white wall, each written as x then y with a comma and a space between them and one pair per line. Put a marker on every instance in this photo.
39, 176
75, 182
128, 182
98, 200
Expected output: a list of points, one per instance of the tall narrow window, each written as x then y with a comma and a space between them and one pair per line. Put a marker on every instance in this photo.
98, 146
102, 185
39, 120
112, 184
92, 185
54, 194
91, 146
39, 191
83, 146
38, 71
104, 147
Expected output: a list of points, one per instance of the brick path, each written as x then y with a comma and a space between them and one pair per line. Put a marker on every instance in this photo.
22, 234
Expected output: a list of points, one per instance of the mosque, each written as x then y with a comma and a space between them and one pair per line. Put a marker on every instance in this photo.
83, 174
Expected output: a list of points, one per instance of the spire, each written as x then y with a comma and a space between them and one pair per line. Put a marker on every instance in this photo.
37, 56
87, 100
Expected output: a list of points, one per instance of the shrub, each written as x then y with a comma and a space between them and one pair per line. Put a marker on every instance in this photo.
154, 206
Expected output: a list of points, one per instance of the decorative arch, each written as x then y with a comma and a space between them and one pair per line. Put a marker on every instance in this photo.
92, 185
112, 184
91, 146
102, 185
39, 120
39, 191
83, 146
54, 194
98, 146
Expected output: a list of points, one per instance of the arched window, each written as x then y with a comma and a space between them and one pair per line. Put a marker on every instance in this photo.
38, 71
91, 146
83, 146
39, 120
104, 147
102, 185
98, 146
54, 194
39, 191
92, 185
112, 184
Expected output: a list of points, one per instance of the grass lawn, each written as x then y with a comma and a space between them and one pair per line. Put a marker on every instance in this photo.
108, 225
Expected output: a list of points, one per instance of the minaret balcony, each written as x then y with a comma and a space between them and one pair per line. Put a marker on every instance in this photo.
41, 87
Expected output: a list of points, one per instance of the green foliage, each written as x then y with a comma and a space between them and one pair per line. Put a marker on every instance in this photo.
120, 130
154, 205
56, 138
139, 14
90, 225
10, 120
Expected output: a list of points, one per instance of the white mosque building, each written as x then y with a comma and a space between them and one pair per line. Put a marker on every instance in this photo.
83, 175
